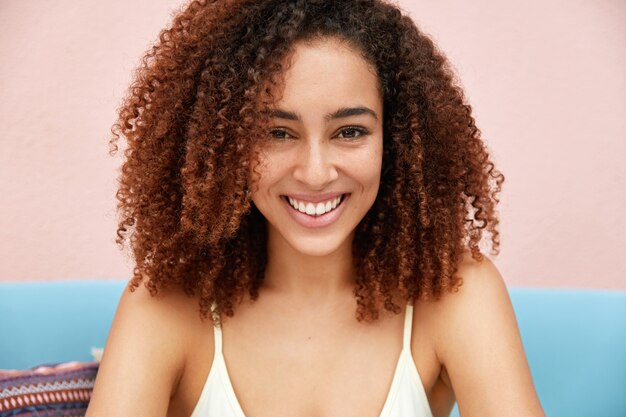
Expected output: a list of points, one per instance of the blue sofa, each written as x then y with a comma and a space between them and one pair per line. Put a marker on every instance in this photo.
575, 340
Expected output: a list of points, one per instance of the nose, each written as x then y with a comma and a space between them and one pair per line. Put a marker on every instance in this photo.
315, 165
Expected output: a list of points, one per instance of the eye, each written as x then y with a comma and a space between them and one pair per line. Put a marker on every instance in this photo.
353, 132
280, 134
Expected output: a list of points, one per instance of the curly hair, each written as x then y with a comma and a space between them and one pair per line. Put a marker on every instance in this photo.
199, 102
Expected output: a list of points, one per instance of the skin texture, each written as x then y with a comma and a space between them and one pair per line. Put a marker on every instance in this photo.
319, 360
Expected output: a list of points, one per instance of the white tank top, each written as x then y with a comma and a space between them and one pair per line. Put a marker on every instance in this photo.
406, 396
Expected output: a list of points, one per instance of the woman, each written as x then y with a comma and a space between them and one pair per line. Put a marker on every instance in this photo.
308, 175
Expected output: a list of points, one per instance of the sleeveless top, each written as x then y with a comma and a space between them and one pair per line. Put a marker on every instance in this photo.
406, 396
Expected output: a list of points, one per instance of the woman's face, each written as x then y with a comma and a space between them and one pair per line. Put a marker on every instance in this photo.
320, 168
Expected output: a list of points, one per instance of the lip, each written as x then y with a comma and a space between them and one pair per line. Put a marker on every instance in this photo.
325, 219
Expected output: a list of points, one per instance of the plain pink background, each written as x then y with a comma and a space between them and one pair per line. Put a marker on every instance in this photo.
546, 79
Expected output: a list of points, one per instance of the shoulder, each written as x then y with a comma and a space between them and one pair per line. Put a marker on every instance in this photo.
145, 353
477, 341
482, 290
478, 313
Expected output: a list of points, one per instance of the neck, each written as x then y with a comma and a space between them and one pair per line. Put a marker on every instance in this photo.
308, 278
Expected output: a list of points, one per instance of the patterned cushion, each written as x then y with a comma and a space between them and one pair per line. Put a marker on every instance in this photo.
47, 390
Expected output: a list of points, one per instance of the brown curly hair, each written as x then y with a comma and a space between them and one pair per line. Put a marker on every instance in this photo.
200, 101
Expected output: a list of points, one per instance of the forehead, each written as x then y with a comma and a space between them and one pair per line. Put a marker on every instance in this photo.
328, 73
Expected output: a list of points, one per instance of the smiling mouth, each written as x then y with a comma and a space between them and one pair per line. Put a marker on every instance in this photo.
315, 209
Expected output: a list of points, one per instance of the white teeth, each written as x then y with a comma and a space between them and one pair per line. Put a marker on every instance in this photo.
314, 209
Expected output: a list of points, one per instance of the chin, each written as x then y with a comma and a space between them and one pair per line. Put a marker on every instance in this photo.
317, 246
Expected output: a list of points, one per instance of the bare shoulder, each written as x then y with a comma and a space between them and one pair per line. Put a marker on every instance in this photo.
145, 353
477, 341
480, 280
483, 286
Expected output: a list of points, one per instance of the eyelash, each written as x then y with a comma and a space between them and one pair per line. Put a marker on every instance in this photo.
361, 132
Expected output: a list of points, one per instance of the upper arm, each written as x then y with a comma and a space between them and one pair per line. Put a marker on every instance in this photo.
143, 357
479, 344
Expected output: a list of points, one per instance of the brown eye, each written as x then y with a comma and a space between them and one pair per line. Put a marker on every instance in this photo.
352, 132
279, 134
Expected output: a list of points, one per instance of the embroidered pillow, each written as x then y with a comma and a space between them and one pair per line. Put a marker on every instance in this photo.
53, 390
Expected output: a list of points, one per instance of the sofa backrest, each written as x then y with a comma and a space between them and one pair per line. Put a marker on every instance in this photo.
575, 341
51, 322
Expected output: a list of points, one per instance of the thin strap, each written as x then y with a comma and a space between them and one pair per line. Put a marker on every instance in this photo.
408, 324
217, 333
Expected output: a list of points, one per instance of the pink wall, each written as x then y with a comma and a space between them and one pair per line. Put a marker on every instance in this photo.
547, 82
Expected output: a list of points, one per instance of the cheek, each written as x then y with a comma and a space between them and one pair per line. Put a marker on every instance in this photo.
267, 171
368, 167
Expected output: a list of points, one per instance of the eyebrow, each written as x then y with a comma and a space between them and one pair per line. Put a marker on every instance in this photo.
337, 114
